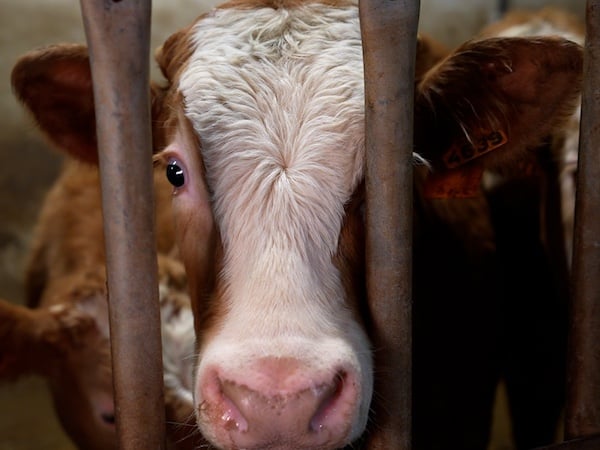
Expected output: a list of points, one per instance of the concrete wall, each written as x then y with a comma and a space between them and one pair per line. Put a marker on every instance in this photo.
454, 21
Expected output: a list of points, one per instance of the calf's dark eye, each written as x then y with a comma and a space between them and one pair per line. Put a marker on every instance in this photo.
175, 174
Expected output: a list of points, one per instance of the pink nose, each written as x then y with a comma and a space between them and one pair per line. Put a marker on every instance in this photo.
276, 404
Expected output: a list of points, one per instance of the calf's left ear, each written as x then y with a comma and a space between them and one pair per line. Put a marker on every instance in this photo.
496, 98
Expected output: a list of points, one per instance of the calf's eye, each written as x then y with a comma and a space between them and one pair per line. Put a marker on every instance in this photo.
175, 174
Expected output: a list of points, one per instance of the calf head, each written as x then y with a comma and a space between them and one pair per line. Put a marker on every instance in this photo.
68, 345
65, 335
267, 150
552, 21
260, 131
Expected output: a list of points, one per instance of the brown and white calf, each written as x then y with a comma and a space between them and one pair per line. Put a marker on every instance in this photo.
260, 126
63, 332
551, 21
67, 343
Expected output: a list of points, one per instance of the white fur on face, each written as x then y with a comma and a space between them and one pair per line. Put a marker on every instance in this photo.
277, 99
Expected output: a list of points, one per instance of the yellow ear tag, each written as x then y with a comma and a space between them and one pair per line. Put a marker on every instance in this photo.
459, 183
462, 152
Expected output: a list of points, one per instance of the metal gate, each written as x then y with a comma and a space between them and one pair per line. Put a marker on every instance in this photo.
389, 30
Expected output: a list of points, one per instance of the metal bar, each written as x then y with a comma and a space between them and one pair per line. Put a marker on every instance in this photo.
118, 35
583, 390
503, 6
389, 31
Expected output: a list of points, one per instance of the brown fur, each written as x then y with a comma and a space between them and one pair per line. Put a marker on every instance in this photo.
564, 140
64, 334
492, 85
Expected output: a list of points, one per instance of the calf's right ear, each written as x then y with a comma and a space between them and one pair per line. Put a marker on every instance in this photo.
55, 84
508, 94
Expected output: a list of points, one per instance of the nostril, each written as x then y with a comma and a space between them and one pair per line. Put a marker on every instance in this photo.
232, 416
108, 418
330, 395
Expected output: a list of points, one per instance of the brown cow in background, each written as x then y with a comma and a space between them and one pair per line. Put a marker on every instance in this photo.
498, 310
63, 332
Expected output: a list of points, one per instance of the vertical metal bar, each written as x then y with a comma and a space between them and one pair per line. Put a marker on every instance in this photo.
118, 34
583, 399
389, 30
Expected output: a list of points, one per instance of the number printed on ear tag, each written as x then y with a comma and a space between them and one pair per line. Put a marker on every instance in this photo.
458, 183
463, 152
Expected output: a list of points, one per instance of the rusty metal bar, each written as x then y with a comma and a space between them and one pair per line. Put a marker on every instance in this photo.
118, 35
583, 390
389, 31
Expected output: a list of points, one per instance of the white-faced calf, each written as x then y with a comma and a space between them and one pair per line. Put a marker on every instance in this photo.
260, 126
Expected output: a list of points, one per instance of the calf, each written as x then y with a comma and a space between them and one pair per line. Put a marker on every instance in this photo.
503, 244
67, 343
260, 127
63, 334
532, 218
564, 145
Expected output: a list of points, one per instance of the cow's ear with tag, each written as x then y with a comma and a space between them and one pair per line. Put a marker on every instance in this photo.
492, 102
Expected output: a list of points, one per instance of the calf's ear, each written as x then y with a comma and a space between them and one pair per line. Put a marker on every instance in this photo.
173, 53
54, 83
33, 340
495, 100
